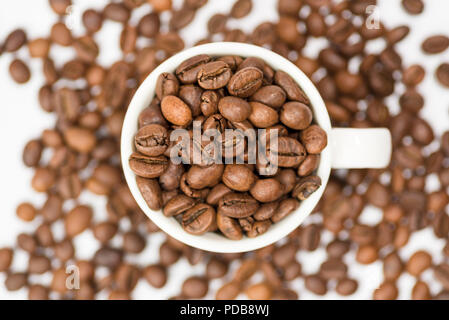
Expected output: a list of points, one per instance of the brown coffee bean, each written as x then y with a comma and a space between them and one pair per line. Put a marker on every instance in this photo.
38, 264
393, 267
367, 254
241, 8
6, 258
286, 207
80, 139
77, 220
418, 262
259, 291
156, 275
386, 291
306, 186
413, 75
292, 89
234, 109
245, 82
262, 116
176, 111
296, 115
228, 291
421, 291
237, 205
267, 190
442, 74
309, 165
148, 167
15, 40
238, 177
346, 287
199, 219
39, 48
272, 96
195, 287
151, 140
217, 23
151, 192
315, 284
413, 6
38, 292
229, 227
378, 195
217, 192
108, 257
435, 44
201, 177
187, 72
289, 152
19, 71
15, 281
314, 139
214, 75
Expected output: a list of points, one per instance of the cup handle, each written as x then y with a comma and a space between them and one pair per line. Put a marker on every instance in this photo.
360, 148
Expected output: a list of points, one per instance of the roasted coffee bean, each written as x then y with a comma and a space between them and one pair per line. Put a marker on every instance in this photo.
435, 44
217, 192
195, 287
229, 227
148, 167
19, 71
238, 177
217, 23
151, 192
77, 220
187, 72
108, 257
267, 190
314, 139
156, 275
167, 85
245, 82
413, 75
202, 177
176, 111
237, 205
292, 89
316, 284
214, 75
309, 165
286, 207
191, 95
287, 178
178, 205
15, 40
241, 8
289, 152
272, 96
418, 262
442, 74
386, 291
209, 103
262, 116
296, 115
199, 219
306, 186
234, 109
346, 287
413, 6
151, 140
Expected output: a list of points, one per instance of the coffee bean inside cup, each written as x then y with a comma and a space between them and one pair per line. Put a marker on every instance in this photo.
227, 98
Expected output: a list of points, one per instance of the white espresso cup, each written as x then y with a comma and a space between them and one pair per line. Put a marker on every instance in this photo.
347, 148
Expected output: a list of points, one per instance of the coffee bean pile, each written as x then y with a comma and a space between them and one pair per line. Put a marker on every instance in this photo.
84, 148
227, 93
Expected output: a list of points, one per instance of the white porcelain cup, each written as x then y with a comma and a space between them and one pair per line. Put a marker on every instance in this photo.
347, 148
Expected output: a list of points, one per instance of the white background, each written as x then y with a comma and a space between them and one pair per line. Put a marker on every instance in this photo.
21, 120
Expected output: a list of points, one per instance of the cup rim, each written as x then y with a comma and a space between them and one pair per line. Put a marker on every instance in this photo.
212, 241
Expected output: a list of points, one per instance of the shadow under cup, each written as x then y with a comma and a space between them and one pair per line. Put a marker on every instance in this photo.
212, 241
